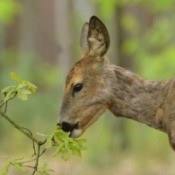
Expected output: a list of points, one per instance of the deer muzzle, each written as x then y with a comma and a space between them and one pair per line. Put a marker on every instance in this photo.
72, 128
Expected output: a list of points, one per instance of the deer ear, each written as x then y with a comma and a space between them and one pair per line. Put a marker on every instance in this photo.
83, 38
97, 38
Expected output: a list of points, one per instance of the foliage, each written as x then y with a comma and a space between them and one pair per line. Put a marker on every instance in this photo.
107, 7
8, 8
150, 44
22, 90
65, 146
45, 170
14, 163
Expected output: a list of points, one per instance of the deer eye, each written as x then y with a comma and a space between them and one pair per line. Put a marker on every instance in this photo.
77, 88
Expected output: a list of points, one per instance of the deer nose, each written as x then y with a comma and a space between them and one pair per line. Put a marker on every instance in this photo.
67, 127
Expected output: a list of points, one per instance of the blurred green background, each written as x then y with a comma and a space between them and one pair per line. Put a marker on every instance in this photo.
39, 40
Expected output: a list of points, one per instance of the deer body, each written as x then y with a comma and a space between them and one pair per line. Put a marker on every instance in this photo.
94, 85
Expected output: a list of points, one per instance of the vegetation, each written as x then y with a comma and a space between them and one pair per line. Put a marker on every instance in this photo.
65, 146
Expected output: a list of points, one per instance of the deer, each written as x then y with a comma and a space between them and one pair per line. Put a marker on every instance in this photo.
95, 85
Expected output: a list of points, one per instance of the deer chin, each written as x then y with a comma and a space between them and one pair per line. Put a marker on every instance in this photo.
76, 133
90, 119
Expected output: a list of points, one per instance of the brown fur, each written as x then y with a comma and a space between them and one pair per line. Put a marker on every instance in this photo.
107, 86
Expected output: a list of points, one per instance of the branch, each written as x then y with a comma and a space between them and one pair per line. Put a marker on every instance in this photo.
22, 129
37, 159
22, 90
34, 140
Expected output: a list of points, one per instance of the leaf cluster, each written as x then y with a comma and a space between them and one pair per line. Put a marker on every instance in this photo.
66, 146
8, 9
12, 163
22, 89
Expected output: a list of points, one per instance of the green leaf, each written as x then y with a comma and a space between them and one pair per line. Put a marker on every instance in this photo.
6, 89
45, 170
10, 95
15, 77
76, 152
66, 146
18, 166
32, 88
65, 156
58, 150
23, 89
23, 94
5, 169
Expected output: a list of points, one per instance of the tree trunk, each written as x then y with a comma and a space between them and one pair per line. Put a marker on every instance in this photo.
123, 60
63, 13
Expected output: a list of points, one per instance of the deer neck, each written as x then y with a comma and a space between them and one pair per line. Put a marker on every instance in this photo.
137, 98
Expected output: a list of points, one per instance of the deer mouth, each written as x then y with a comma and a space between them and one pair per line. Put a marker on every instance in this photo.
75, 133
73, 129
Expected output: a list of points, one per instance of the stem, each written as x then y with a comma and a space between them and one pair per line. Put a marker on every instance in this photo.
20, 128
29, 134
37, 159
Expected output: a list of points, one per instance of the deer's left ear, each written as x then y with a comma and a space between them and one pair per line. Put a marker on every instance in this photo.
98, 38
83, 38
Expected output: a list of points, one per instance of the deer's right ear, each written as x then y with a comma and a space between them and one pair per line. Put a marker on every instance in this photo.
98, 38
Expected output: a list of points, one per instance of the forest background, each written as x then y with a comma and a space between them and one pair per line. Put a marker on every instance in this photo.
39, 40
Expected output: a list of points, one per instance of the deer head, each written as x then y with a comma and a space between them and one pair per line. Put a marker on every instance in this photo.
86, 89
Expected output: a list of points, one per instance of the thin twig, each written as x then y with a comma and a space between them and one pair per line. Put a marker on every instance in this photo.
6, 102
37, 160
20, 128
28, 133
33, 143
5, 108
28, 161
1, 103
28, 166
